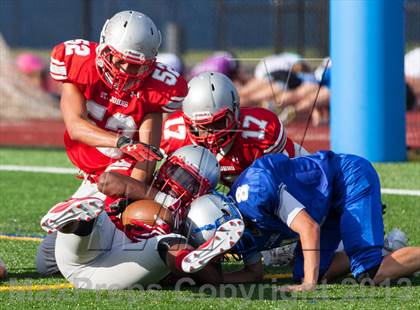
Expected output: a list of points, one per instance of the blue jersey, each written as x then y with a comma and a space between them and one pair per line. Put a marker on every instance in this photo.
323, 183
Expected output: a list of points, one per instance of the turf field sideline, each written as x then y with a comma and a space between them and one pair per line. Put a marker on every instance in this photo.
58, 170
25, 197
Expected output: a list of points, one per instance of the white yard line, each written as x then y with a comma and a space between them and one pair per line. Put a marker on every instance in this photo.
401, 192
58, 170
39, 169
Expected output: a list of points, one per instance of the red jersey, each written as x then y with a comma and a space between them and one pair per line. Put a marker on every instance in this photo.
260, 133
75, 62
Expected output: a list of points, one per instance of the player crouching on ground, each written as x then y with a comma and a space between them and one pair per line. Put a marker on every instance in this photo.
320, 199
212, 118
92, 253
188, 173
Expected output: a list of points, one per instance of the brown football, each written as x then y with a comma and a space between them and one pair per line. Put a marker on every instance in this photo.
146, 211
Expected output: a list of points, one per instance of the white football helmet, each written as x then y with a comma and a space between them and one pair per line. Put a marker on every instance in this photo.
211, 110
189, 172
130, 37
206, 214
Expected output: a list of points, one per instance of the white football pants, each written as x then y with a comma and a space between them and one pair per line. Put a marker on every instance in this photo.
107, 259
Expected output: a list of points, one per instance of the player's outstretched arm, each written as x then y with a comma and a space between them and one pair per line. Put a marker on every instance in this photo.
150, 132
73, 108
114, 184
309, 233
117, 185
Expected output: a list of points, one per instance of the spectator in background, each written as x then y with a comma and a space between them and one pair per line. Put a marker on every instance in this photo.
35, 69
223, 62
412, 78
285, 84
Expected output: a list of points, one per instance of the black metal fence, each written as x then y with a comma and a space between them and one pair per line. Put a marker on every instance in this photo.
296, 25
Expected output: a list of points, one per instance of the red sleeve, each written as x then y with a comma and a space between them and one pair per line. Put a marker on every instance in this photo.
73, 61
292, 149
275, 134
289, 148
167, 89
174, 134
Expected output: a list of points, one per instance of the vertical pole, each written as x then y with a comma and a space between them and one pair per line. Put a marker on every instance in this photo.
173, 38
300, 13
86, 19
221, 25
17, 22
278, 30
324, 27
367, 79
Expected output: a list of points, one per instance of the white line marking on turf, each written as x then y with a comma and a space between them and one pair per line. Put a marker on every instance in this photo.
402, 192
39, 169
389, 191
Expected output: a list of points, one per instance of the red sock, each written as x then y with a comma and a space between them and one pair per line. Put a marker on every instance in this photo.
179, 257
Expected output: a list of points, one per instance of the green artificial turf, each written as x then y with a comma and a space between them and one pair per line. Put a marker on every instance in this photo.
26, 196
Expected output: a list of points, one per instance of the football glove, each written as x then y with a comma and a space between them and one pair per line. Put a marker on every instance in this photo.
117, 206
138, 150
138, 230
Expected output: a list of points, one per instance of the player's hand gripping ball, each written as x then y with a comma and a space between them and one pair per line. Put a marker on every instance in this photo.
144, 219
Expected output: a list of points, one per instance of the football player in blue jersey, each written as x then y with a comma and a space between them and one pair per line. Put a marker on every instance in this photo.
319, 199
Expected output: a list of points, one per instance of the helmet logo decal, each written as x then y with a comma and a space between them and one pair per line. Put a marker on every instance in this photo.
201, 115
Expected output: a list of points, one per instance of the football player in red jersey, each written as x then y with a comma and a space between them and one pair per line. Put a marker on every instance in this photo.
114, 94
212, 118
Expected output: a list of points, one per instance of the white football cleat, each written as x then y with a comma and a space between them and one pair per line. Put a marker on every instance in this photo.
72, 210
225, 237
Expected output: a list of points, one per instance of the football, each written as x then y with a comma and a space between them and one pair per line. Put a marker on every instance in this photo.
147, 211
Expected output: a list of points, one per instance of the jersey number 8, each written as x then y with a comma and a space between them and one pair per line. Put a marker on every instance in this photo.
241, 193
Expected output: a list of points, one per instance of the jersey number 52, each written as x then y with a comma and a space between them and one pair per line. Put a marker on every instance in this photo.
79, 47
